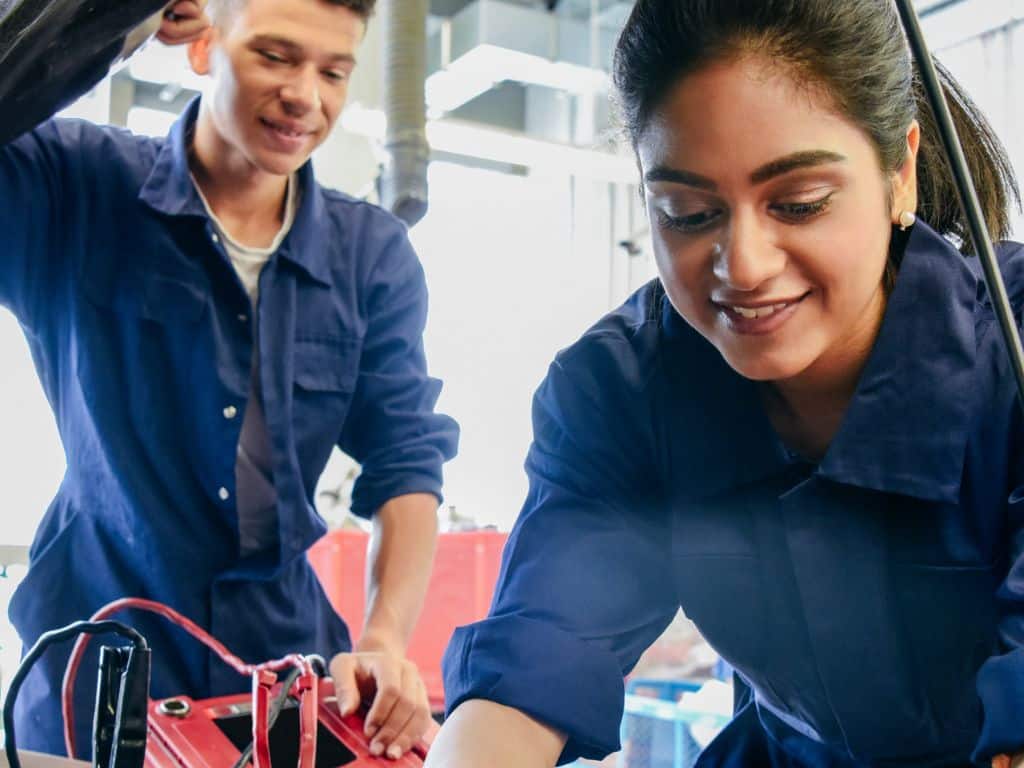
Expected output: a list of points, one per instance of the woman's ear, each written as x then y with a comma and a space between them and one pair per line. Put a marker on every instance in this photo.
199, 52
904, 180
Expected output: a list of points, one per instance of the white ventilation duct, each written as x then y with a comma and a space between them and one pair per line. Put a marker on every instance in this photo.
491, 41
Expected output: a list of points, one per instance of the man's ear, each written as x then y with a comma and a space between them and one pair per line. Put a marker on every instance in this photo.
199, 52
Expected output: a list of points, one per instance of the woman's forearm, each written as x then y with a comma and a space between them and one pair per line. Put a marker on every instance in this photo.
482, 732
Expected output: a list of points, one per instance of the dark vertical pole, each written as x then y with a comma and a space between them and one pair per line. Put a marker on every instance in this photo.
968, 194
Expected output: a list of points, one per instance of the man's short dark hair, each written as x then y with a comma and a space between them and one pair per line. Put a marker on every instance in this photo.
221, 10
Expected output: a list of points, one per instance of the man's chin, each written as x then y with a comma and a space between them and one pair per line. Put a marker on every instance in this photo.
281, 165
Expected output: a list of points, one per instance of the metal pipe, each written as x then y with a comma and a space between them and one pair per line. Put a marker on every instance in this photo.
403, 182
966, 191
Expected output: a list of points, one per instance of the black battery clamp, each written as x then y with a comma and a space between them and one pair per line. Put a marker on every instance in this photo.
119, 731
122, 701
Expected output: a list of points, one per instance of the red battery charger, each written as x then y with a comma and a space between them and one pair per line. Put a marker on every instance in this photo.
212, 734
309, 730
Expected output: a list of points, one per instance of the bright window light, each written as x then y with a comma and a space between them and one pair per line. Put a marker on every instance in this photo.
460, 138
158, 63
150, 122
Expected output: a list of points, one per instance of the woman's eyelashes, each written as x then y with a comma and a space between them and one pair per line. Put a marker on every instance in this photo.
791, 212
690, 223
798, 212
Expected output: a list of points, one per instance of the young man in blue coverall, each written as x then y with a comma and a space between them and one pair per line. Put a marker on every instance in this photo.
208, 323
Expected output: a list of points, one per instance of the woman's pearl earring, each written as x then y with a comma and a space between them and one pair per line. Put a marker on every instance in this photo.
907, 220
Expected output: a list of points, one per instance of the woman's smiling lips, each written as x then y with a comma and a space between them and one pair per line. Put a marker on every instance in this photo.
758, 318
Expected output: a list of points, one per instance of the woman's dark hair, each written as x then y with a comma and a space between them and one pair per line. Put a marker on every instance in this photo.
856, 51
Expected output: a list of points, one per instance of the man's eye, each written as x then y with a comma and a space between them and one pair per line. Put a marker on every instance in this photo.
274, 57
694, 222
335, 75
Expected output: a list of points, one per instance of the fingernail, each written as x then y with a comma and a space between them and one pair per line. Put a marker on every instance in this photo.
394, 752
376, 749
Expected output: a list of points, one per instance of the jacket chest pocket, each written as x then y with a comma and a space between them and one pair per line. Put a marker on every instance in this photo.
326, 374
138, 342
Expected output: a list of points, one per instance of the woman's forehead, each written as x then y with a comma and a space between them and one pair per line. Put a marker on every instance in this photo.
740, 114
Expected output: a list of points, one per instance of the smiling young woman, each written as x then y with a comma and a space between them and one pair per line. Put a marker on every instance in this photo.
804, 433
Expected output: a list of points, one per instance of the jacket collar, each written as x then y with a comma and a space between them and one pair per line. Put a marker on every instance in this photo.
169, 190
905, 431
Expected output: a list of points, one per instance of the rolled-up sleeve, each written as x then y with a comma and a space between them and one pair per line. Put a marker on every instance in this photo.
585, 584
393, 430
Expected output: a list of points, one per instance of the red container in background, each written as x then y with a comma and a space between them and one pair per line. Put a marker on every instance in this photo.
461, 586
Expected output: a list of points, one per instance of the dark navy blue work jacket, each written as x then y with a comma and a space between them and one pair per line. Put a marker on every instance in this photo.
143, 338
873, 601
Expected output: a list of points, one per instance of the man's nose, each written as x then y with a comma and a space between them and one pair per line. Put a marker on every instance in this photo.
301, 94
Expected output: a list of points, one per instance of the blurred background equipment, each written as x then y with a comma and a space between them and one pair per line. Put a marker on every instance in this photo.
49, 48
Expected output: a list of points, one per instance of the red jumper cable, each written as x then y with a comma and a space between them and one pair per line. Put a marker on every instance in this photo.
264, 676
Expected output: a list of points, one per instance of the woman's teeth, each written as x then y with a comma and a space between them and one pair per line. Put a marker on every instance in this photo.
751, 313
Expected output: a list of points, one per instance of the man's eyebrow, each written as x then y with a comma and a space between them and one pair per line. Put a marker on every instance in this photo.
795, 162
280, 42
295, 49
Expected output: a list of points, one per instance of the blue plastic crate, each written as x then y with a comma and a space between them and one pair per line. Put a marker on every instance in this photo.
656, 728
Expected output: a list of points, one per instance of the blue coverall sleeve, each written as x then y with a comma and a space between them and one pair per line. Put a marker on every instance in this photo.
33, 179
585, 584
392, 429
1000, 681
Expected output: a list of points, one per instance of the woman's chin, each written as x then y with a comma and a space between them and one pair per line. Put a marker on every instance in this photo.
763, 368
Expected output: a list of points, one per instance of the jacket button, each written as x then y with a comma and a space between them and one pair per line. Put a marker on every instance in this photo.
230, 412
224, 494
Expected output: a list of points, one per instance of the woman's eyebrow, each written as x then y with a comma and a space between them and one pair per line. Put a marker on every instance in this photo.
794, 162
678, 176
768, 171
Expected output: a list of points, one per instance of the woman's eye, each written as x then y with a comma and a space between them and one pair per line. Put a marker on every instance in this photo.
274, 57
797, 212
691, 223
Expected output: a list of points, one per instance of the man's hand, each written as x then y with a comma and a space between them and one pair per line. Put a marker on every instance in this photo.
399, 714
184, 21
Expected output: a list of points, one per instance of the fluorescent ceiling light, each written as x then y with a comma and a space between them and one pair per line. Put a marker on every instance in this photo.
486, 65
